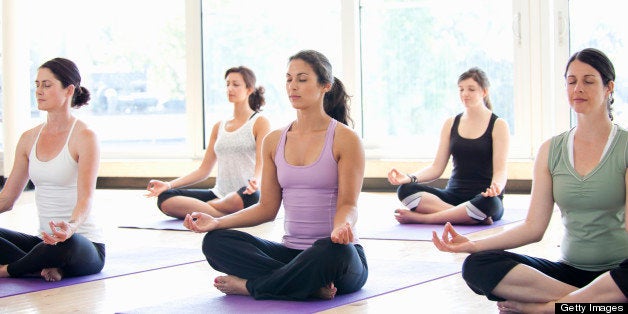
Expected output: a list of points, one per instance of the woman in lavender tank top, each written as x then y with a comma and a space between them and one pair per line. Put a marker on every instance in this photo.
315, 166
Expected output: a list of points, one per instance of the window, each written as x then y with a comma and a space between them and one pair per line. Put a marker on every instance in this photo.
131, 55
594, 24
274, 31
412, 54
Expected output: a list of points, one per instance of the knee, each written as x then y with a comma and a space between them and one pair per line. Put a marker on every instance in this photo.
489, 206
406, 190
213, 242
476, 264
325, 249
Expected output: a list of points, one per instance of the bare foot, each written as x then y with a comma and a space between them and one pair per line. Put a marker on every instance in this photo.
3, 272
520, 307
51, 274
405, 216
326, 293
487, 221
231, 285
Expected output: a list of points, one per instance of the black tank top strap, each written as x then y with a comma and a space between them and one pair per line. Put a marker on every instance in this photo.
454, 126
491, 124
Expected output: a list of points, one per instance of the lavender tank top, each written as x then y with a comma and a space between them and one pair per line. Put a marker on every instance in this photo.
309, 194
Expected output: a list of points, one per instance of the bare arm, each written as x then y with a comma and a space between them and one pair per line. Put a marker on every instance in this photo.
19, 176
88, 156
204, 170
434, 170
501, 143
260, 130
349, 153
531, 230
265, 210
156, 187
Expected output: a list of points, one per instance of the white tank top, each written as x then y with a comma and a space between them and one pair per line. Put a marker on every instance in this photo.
56, 190
235, 157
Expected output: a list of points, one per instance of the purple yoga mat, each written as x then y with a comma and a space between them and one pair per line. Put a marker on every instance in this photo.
387, 228
117, 264
385, 276
157, 224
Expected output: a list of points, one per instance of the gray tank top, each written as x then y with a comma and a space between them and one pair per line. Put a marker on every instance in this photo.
235, 157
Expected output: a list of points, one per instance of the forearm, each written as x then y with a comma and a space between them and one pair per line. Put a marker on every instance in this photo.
509, 239
500, 178
191, 178
427, 174
346, 214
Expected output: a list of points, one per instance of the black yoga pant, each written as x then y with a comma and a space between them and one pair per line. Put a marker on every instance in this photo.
274, 271
491, 206
206, 195
27, 255
620, 276
484, 270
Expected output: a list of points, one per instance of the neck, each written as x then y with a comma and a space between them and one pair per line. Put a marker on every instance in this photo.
310, 121
593, 127
477, 111
242, 111
58, 120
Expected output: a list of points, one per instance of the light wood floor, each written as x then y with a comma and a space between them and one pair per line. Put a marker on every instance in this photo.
446, 295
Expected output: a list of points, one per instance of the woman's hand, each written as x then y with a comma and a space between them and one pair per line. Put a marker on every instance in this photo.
156, 187
61, 231
452, 242
200, 222
492, 190
342, 234
397, 178
252, 186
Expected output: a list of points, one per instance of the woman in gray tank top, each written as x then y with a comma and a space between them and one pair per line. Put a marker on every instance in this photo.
234, 147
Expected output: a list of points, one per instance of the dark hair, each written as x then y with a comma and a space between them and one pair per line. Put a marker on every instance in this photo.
67, 72
600, 62
479, 77
256, 99
336, 100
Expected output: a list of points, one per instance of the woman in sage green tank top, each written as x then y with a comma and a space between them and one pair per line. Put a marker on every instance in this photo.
583, 171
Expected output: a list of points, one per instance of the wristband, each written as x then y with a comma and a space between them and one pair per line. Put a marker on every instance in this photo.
169, 185
413, 178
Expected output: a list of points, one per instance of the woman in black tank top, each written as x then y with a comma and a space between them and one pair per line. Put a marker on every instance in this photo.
477, 142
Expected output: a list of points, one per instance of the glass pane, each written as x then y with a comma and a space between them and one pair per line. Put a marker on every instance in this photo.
131, 55
272, 33
595, 24
412, 54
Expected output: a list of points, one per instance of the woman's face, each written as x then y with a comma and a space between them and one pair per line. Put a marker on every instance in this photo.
50, 93
302, 85
237, 92
471, 93
585, 89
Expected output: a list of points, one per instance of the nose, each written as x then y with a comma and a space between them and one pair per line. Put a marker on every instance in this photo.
292, 84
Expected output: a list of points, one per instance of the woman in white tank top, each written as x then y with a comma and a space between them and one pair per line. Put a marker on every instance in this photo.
61, 158
234, 146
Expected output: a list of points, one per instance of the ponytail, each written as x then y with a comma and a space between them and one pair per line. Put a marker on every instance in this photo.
336, 103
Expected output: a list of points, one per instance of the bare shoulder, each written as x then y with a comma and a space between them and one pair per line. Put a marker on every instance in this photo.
27, 139
501, 123
271, 141
346, 140
84, 131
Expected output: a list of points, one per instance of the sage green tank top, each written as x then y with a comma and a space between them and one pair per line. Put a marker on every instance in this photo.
592, 206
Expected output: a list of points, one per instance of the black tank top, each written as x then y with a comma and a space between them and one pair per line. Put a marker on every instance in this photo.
472, 159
